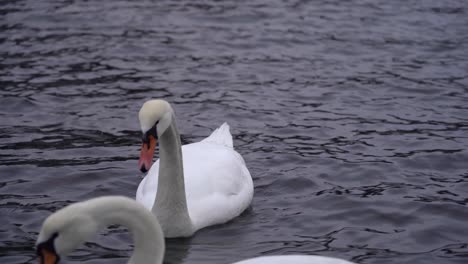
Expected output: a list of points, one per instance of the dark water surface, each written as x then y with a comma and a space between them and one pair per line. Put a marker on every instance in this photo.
351, 115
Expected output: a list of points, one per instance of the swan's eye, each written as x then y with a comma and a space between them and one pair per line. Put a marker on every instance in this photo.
145, 138
153, 131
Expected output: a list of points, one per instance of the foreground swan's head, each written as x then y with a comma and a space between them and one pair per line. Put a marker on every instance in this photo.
155, 117
64, 231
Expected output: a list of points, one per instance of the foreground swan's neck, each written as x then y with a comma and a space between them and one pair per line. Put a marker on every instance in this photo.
147, 234
170, 205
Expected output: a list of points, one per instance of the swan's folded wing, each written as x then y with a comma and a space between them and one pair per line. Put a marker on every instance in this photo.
218, 184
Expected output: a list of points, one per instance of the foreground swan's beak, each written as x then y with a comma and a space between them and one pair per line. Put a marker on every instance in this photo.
146, 155
48, 257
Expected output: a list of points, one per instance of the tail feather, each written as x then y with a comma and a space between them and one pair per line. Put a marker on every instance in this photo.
221, 136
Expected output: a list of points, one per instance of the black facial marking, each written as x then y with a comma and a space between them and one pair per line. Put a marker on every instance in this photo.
151, 132
49, 246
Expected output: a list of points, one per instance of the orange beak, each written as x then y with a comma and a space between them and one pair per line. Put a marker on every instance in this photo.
146, 154
48, 257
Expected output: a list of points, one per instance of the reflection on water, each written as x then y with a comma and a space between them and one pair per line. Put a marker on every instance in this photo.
351, 116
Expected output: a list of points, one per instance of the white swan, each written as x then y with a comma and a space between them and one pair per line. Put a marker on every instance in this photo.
192, 186
68, 228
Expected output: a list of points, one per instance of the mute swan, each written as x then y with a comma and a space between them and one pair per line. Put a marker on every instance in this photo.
66, 229
192, 186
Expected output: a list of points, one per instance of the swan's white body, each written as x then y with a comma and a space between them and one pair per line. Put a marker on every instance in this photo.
195, 185
294, 259
218, 185
64, 231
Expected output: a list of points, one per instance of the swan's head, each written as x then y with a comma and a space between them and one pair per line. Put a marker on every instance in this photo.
62, 232
155, 117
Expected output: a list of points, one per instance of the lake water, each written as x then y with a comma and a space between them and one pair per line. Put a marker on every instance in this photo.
352, 117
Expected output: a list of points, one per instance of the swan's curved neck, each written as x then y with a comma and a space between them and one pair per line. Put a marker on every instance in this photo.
170, 205
147, 234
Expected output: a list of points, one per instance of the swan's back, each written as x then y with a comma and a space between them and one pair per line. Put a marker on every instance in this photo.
220, 136
219, 184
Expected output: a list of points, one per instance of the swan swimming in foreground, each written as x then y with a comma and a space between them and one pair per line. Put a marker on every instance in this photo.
192, 186
68, 228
